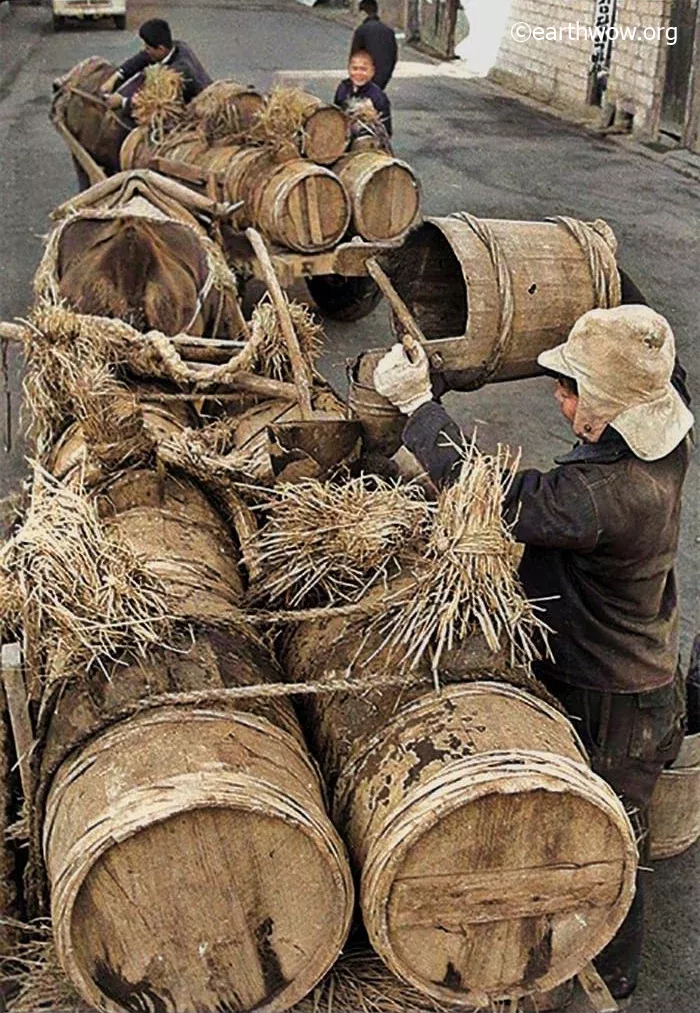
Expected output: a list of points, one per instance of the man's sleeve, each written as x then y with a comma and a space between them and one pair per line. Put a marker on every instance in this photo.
339, 97
435, 440
134, 65
553, 509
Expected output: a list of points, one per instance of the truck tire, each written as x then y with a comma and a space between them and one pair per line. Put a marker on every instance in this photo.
120, 22
343, 298
59, 22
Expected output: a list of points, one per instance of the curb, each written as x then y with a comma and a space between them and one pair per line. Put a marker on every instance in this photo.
4, 9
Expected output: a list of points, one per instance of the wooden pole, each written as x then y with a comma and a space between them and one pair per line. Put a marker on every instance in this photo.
596, 990
94, 173
413, 336
18, 710
299, 367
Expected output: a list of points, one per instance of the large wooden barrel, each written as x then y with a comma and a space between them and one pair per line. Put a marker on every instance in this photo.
674, 810
493, 863
490, 295
301, 206
191, 865
384, 193
325, 133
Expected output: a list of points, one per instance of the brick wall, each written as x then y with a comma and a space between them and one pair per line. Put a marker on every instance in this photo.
551, 71
637, 67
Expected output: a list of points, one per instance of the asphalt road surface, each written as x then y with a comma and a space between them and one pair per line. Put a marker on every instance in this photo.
475, 149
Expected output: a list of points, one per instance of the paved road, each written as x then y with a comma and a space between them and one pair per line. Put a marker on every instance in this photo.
474, 149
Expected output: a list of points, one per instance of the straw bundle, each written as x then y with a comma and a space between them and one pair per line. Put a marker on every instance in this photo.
158, 104
464, 581
215, 113
77, 590
281, 118
334, 541
34, 975
271, 347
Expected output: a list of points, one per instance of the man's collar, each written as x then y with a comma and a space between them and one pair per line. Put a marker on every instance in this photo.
610, 447
168, 57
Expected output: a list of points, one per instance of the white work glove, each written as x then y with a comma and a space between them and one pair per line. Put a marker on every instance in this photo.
404, 382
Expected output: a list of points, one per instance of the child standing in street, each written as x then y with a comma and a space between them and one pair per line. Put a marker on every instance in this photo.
359, 91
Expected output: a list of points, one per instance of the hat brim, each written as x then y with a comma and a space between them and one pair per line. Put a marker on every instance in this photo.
654, 429
554, 359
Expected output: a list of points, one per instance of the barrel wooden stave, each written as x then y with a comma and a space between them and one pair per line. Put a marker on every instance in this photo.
137, 813
446, 277
460, 811
384, 193
243, 103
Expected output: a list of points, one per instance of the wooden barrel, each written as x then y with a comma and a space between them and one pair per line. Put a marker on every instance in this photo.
493, 863
490, 295
301, 206
136, 150
384, 193
233, 104
325, 133
674, 810
240, 169
191, 863
251, 437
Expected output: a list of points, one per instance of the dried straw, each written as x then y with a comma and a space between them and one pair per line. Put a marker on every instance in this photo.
282, 117
332, 540
158, 104
464, 581
272, 353
75, 588
34, 975
215, 114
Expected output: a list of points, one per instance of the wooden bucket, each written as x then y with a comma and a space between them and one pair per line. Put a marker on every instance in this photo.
674, 811
136, 150
384, 193
325, 133
190, 860
382, 423
301, 206
243, 104
481, 329
251, 436
493, 863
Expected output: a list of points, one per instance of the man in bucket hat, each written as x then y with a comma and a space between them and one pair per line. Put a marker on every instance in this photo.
601, 533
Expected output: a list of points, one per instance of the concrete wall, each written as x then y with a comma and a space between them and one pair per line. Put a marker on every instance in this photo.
551, 71
637, 67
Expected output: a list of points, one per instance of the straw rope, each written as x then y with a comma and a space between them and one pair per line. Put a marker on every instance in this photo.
604, 273
505, 288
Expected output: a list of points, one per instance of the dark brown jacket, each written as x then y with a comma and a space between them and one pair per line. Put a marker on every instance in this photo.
601, 534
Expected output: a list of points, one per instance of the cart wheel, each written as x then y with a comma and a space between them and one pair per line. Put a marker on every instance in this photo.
59, 22
342, 298
120, 22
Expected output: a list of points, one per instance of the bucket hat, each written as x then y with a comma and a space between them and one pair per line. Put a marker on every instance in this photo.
622, 360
